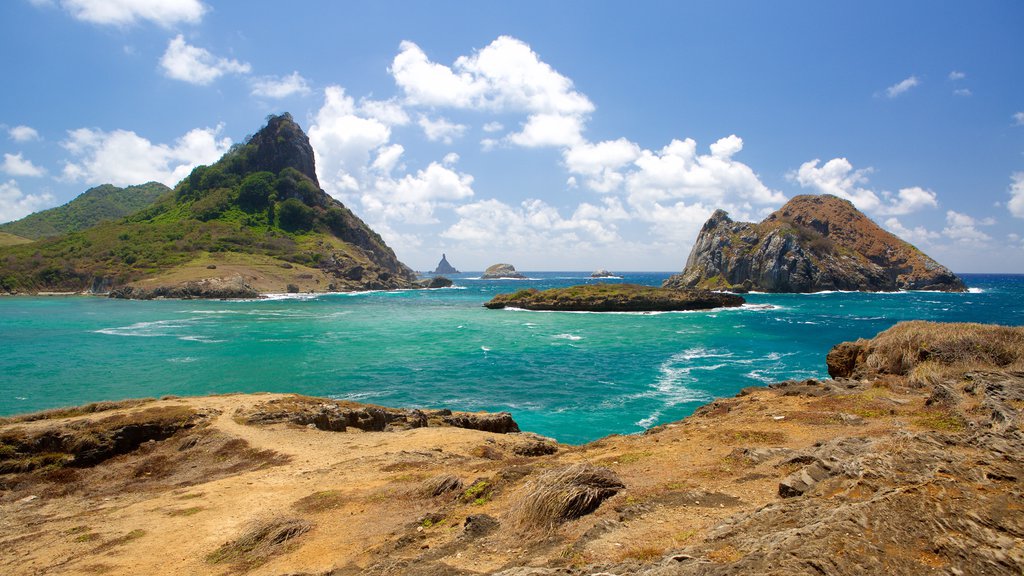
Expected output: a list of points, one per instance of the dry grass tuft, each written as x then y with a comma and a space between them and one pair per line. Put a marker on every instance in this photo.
930, 351
321, 501
564, 494
442, 484
92, 408
261, 541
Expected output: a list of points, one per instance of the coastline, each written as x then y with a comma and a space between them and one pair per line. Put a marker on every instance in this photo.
726, 488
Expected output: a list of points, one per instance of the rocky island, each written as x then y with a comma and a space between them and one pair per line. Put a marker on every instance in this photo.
602, 273
614, 298
443, 267
256, 221
501, 272
811, 244
909, 462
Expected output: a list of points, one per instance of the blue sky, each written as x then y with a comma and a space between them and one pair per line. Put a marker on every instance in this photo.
553, 135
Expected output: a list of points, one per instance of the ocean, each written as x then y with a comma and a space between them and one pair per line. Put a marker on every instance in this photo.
572, 376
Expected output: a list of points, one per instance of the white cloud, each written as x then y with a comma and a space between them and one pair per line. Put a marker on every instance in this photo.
601, 163
1016, 203
194, 65
15, 165
124, 158
678, 172
343, 141
957, 75
23, 134
387, 111
962, 92
909, 200
1018, 119
488, 144
530, 228
963, 229
505, 76
441, 129
387, 158
15, 204
915, 235
902, 86
450, 159
549, 130
837, 177
413, 198
494, 127
280, 87
165, 13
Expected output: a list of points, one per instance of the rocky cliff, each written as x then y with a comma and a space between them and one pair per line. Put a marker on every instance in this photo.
813, 243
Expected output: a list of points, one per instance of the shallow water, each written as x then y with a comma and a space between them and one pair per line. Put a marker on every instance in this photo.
573, 376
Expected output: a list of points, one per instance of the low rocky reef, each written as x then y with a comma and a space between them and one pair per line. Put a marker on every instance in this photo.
501, 272
208, 288
603, 297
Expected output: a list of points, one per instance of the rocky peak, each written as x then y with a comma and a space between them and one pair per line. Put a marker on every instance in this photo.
443, 267
282, 144
813, 243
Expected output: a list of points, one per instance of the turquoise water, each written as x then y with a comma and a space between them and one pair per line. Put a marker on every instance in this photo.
573, 376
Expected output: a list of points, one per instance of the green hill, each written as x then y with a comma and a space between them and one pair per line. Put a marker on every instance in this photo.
258, 213
106, 202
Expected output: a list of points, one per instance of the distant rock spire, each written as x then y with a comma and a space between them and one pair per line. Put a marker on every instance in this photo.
443, 267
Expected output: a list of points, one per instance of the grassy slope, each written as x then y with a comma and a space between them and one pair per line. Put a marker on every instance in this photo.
93, 206
11, 240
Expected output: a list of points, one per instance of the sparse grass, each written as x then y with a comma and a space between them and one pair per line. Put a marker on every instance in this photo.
69, 412
942, 421
259, 542
684, 536
120, 540
726, 554
752, 436
478, 493
563, 494
643, 553
185, 511
442, 484
87, 537
321, 501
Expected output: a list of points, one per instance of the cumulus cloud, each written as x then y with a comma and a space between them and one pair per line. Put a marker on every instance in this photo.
441, 130
343, 141
528, 227
838, 177
23, 133
280, 87
962, 92
389, 112
915, 235
964, 229
166, 13
414, 197
1018, 119
957, 75
1016, 203
493, 127
902, 87
124, 158
601, 163
549, 130
15, 204
15, 165
677, 171
182, 61
507, 75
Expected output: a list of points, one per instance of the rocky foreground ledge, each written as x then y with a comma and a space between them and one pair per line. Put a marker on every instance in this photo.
909, 462
602, 297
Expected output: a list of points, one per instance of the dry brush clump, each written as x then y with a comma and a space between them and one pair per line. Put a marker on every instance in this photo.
927, 352
563, 494
261, 540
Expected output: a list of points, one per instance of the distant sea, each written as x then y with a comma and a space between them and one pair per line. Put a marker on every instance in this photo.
573, 376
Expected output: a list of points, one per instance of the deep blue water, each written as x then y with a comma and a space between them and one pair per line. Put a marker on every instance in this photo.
573, 376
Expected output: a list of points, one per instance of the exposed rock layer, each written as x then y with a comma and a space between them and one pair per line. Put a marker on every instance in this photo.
813, 243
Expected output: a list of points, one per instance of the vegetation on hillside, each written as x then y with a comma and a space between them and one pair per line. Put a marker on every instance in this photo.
95, 205
234, 205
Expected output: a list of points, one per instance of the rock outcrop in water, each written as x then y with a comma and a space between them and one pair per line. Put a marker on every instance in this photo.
500, 271
813, 243
614, 298
443, 267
